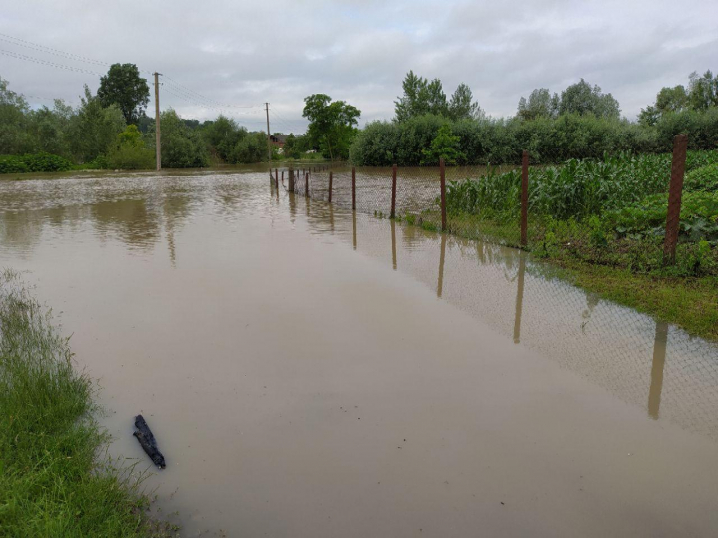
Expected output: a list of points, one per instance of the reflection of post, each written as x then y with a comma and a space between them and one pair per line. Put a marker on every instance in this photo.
393, 243
440, 284
659, 360
519, 298
331, 217
292, 206
354, 229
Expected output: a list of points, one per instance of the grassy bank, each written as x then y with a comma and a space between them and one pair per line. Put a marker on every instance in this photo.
54, 479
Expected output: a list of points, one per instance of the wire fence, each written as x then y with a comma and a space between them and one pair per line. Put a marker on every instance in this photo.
615, 212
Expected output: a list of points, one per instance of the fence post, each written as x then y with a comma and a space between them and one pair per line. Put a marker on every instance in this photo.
306, 184
675, 191
276, 177
525, 199
442, 176
393, 192
354, 189
331, 178
290, 182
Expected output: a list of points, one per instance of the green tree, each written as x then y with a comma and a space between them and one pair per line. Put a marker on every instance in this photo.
332, 125
123, 86
182, 147
14, 136
94, 128
668, 100
291, 147
415, 101
222, 135
582, 98
703, 91
540, 104
462, 105
445, 145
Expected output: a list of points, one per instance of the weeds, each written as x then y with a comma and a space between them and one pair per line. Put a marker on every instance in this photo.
53, 480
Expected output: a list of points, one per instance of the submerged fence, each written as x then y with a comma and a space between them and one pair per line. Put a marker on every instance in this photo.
536, 207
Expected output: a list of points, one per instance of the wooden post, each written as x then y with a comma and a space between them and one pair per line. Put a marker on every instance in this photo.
393, 192
306, 184
525, 199
276, 177
354, 189
675, 191
330, 187
442, 177
290, 181
158, 138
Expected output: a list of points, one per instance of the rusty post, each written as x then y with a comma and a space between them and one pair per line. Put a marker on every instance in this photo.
276, 177
330, 187
525, 199
675, 191
290, 181
354, 189
442, 177
282, 177
393, 192
306, 184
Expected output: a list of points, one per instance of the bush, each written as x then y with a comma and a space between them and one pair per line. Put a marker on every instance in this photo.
33, 162
130, 152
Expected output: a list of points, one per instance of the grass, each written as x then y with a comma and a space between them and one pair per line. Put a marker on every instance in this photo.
628, 271
55, 477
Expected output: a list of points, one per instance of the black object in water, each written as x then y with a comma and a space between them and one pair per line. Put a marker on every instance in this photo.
148, 442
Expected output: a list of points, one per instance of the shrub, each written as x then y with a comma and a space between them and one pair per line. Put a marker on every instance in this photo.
704, 178
33, 162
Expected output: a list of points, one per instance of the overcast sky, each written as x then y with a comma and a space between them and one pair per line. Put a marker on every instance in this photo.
245, 53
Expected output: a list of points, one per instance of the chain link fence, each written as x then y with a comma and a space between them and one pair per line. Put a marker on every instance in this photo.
613, 211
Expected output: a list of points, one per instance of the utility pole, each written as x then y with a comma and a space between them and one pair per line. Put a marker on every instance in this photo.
158, 144
269, 138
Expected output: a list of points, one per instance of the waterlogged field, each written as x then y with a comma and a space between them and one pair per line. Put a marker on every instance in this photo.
309, 371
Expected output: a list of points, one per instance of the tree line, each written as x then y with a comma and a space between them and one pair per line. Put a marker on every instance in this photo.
580, 122
110, 129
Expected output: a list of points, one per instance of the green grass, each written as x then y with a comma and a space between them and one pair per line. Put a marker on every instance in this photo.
54, 479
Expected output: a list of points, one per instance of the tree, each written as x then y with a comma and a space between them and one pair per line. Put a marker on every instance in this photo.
445, 145
13, 118
415, 101
462, 105
130, 151
182, 147
436, 98
221, 135
668, 100
703, 91
123, 86
540, 104
582, 99
332, 125
94, 128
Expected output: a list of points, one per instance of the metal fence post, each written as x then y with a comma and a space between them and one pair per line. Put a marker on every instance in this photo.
393, 192
354, 189
525, 199
442, 176
306, 184
675, 191
290, 182
331, 178
276, 177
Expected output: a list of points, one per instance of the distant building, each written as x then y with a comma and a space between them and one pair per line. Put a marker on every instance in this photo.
278, 140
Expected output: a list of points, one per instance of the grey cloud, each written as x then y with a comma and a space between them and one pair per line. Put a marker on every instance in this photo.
248, 53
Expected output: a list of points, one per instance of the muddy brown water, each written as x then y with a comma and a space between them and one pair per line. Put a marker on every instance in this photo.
313, 372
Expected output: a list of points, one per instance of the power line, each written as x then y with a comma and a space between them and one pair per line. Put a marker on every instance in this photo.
48, 50
26, 58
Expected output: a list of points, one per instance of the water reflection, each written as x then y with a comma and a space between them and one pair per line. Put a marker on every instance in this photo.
519, 297
659, 361
614, 347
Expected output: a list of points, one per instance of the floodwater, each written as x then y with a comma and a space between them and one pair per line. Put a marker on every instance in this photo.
311, 372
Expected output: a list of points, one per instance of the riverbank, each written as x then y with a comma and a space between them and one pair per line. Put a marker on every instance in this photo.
55, 477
